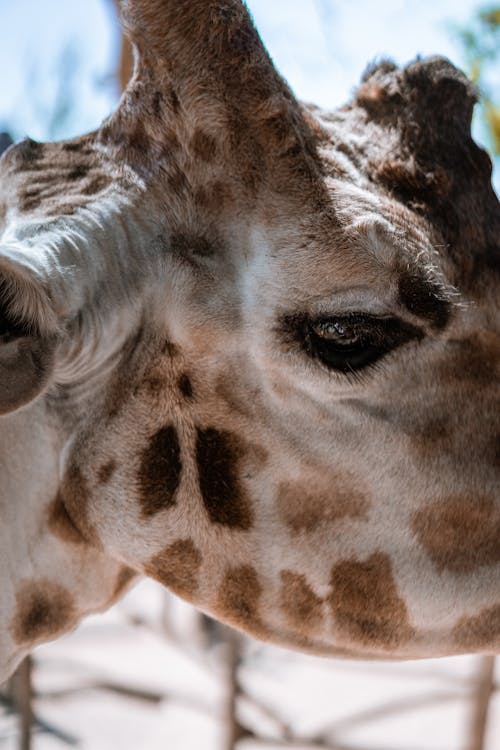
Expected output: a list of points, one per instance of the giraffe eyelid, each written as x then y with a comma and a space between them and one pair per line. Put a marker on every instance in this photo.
378, 336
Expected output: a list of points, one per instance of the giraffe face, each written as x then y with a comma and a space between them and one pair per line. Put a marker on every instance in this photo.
277, 380
292, 486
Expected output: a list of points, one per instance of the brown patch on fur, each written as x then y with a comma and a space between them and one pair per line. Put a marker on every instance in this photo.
496, 451
154, 383
160, 472
75, 496
430, 436
475, 359
170, 145
177, 567
186, 387
63, 209
480, 632
204, 146
78, 172
302, 607
106, 471
218, 455
29, 200
138, 139
366, 604
43, 610
177, 179
304, 509
96, 185
170, 348
198, 245
174, 101
460, 533
238, 599
156, 103
73, 147
28, 152
212, 197
60, 523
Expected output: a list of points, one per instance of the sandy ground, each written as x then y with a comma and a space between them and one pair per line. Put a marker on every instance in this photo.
120, 681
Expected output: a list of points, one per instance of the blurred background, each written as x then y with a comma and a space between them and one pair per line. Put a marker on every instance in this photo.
152, 673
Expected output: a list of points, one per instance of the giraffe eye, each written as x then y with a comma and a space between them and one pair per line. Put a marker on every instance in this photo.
353, 342
338, 332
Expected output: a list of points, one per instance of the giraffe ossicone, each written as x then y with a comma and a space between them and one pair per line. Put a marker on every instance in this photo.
251, 349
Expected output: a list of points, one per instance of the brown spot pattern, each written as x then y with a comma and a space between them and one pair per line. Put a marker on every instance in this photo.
198, 245
177, 567
29, 200
60, 523
238, 599
204, 146
186, 387
218, 454
43, 610
73, 147
75, 495
160, 472
78, 172
106, 471
304, 509
496, 451
366, 604
302, 607
63, 209
156, 103
96, 185
430, 436
29, 151
460, 533
473, 359
481, 632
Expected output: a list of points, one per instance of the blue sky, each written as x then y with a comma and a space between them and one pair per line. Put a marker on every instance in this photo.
321, 46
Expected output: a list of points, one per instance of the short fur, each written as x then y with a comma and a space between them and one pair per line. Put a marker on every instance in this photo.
164, 413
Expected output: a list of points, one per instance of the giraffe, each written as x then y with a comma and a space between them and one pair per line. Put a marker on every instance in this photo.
251, 349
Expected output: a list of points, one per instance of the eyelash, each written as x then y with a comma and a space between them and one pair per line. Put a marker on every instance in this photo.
370, 339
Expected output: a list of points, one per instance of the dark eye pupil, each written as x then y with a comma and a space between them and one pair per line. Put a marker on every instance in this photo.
336, 331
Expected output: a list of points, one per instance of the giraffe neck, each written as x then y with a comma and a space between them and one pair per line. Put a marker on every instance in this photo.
41, 553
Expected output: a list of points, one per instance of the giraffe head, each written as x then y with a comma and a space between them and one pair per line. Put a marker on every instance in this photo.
262, 345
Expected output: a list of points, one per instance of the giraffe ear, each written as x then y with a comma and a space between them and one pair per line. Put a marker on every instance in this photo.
203, 64
27, 333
